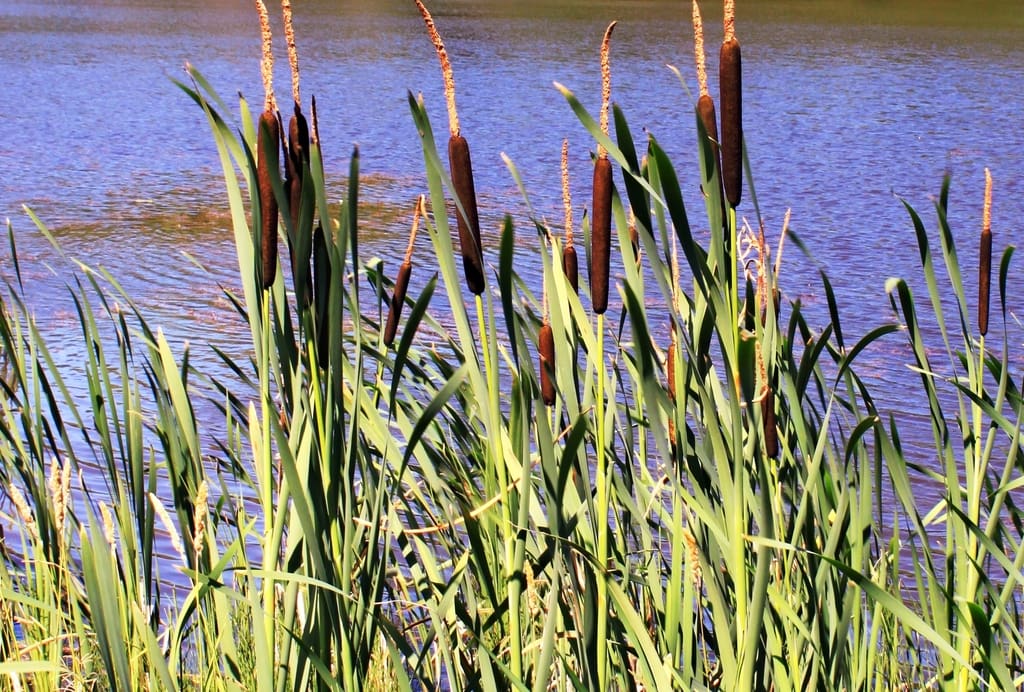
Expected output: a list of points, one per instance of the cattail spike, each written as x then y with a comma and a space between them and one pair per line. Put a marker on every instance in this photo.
771, 430
446, 69
402, 280
268, 147
985, 257
729, 20
468, 221
698, 51
267, 62
601, 235
293, 53
730, 85
606, 82
570, 261
314, 132
546, 347
566, 196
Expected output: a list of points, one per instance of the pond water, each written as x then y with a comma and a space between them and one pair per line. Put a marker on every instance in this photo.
847, 104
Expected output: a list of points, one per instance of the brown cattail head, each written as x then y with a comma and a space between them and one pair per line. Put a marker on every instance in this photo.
321, 292
468, 221
397, 300
731, 87
601, 235
267, 147
296, 161
985, 257
298, 150
771, 431
402, 280
546, 346
571, 267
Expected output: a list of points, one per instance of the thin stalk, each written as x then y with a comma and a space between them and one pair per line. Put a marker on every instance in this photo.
602, 517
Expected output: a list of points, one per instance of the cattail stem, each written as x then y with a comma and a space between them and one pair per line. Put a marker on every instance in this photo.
985, 257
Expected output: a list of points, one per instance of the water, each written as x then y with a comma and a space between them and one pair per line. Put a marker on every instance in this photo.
846, 105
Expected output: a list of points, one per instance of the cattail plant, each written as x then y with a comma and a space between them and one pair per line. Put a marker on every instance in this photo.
296, 162
461, 169
985, 257
706, 104
402, 280
601, 210
730, 86
570, 262
267, 148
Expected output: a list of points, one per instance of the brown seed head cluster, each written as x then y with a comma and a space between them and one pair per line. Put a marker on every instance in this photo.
985, 257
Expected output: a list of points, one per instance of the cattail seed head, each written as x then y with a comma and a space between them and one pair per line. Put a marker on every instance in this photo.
985, 257
267, 147
404, 272
321, 291
468, 221
546, 346
601, 235
397, 300
730, 84
571, 267
771, 431
296, 161
570, 262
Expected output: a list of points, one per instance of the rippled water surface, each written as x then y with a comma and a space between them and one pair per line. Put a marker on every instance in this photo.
847, 104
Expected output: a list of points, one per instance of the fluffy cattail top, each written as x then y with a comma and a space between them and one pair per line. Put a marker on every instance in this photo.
293, 53
729, 20
267, 62
446, 69
606, 83
566, 196
698, 51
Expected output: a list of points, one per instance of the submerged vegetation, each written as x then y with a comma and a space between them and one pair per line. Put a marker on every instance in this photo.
659, 478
